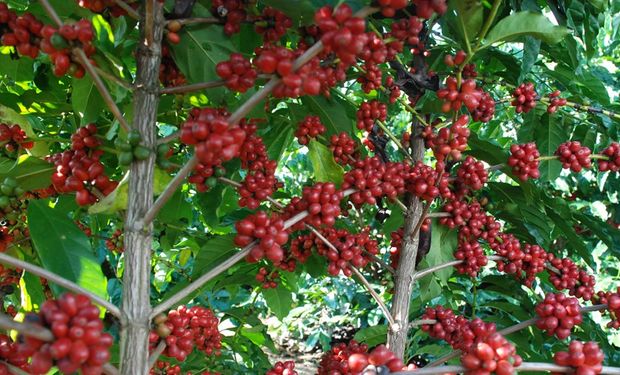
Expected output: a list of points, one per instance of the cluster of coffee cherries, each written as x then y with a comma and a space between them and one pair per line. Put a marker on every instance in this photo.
455, 96
524, 161
373, 180
13, 138
79, 341
80, 170
473, 257
369, 112
494, 355
353, 358
569, 276
456, 330
184, 329
574, 156
272, 24
585, 358
612, 299
237, 72
131, 149
9, 354
232, 12
426, 8
310, 128
169, 72
389, 7
555, 102
322, 201
612, 152
558, 314
115, 242
268, 231
448, 142
472, 174
22, 32
455, 60
282, 368
9, 190
58, 43
486, 108
344, 148
524, 97
269, 280
342, 33
353, 250
99, 6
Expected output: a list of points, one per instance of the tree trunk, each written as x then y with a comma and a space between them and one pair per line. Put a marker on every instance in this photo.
136, 306
397, 336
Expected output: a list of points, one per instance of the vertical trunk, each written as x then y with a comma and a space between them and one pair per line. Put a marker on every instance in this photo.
397, 337
136, 305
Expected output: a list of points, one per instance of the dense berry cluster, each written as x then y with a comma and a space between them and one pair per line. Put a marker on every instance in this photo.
9, 354
454, 96
99, 6
389, 7
524, 97
455, 60
273, 24
115, 242
80, 170
22, 32
586, 358
612, 299
508, 247
473, 257
485, 110
58, 43
322, 201
427, 183
373, 179
310, 128
426, 8
232, 12
613, 154
472, 174
336, 360
574, 156
456, 330
283, 368
369, 112
555, 101
270, 233
344, 148
534, 263
13, 137
187, 328
371, 77
268, 280
558, 314
350, 250
237, 72
448, 142
567, 276
342, 33
493, 355
524, 161
80, 342
405, 31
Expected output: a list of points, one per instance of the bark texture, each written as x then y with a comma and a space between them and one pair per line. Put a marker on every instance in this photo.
397, 336
136, 306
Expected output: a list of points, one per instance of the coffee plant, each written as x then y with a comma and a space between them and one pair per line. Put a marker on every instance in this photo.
397, 186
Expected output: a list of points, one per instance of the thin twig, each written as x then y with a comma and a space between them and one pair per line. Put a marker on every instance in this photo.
156, 353
195, 20
420, 274
13, 369
193, 87
113, 78
168, 192
131, 12
26, 329
103, 90
417, 323
6, 259
51, 12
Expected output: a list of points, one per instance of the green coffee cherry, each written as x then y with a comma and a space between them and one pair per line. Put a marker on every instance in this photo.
58, 42
141, 152
134, 138
125, 158
211, 181
122, 145
4, 201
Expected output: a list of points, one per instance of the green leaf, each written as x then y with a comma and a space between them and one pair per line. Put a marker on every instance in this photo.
372, 336
531, 48
279, 300
325, 167
212, 253
200, 50
31, 173
443, 245
176, 209
299, 10
472, 14
525, 23
86, 100
549, 134
64, 249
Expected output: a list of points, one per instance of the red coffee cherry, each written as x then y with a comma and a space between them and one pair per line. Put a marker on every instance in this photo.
454, 96
272, 24
524, 161
612, 299
344, 148
525, 97
558, 314
342, 33
389, 7
322, 202
473, 256
448, 142
369, 112
342, 358
232, 11
353, 250
585, 358
570, 277
426, 8
472, 174
555, 101
485, 110
574, 156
